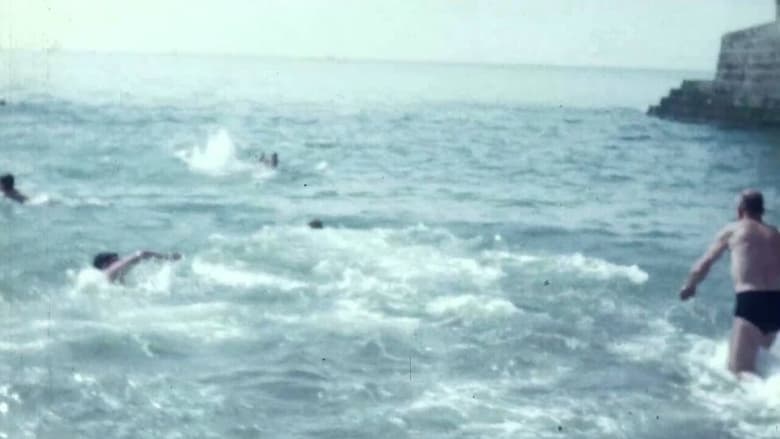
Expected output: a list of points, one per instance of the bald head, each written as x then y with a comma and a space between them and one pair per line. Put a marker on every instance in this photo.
751, 203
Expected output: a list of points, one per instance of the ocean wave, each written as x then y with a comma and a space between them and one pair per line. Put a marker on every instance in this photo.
235, 277
348, 316
374, 260
601, 269
210, 322
576, 263
470, 307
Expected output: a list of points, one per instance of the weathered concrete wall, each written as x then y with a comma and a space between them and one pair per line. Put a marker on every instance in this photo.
746, 88
749, 66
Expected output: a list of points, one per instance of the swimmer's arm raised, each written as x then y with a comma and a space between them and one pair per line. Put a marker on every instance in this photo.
702, 266
121, 267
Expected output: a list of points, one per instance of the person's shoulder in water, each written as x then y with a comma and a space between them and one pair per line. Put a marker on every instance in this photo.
8, 187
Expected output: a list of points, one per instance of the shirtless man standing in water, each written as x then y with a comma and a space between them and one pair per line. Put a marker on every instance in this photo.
755, 271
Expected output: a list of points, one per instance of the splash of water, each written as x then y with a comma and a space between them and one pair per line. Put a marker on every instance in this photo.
216, 157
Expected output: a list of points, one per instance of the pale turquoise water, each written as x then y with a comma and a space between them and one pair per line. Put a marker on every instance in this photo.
501, 259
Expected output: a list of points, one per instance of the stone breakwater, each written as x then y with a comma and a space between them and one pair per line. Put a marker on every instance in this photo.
746, 88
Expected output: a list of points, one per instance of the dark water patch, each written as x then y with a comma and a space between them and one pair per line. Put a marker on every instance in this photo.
322, 144
106, 347
294, 120
289, 391
636, 138
724, 168
703, 138
613, 177
326, 194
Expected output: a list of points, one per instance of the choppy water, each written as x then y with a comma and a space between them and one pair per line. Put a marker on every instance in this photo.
501, 257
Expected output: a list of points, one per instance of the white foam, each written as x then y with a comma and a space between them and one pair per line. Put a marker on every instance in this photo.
206, 322
575, 263
376, 262
470, 307
146, 279
126, 316
88, 280
20, 347
39, 199
84, 379
154, 278
235, 277
714, 387
601, 269
217, 157
351, 314
263, 173
351, 317
81, 201
482, 410
652, 344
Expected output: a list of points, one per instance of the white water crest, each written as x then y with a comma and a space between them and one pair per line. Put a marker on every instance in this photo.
577, 263
217, 157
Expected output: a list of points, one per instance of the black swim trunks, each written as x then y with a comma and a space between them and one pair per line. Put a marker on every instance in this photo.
761, 308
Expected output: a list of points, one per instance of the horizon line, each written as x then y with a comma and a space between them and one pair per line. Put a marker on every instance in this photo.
356, 60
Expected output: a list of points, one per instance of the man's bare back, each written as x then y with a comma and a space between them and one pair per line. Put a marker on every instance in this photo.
755, 255
755, 273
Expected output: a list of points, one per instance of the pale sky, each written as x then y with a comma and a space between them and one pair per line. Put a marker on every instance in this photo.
675, 34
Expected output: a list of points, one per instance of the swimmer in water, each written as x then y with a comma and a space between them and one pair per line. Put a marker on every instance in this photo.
7, 186
755, 272
116, 269
316, 224
273, 162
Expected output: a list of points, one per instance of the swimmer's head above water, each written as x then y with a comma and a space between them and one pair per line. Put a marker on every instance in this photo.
104, 260
7, 182
8, 188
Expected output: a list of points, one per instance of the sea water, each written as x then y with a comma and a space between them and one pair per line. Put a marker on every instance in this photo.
502, 252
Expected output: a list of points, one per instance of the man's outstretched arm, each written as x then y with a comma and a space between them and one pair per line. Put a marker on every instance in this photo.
16, 196
702, 266
121, 267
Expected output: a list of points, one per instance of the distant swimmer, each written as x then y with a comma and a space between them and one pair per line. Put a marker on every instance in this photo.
316, 224
755, 272
116, 268
7, 186
271, 162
